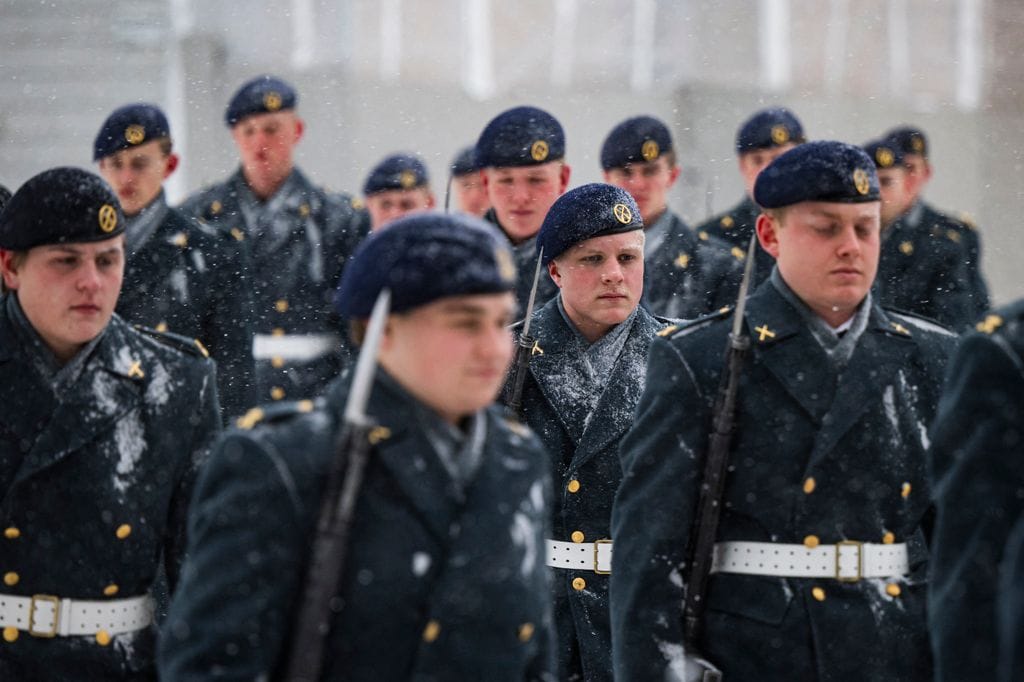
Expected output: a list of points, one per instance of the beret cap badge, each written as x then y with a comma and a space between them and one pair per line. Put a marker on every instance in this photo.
134, 134
107, 217
650, 150
506, 268
780, 134
623, 213
539, 150
884, 157
407, 179
917, 143
272, 101
861, 182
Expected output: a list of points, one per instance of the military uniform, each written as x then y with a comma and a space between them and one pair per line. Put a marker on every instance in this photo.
95, 480
295, 246
963, 232
977, 470
816, 458
1010, 607
734, 228
187, 278
686, 276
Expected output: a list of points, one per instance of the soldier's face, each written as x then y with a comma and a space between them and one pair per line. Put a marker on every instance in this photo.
647, 182
137, 174
522, 195
753, 162
601, 280
388, 206
67, 291
895, 191
266, 143
451, 354
470, 194
826, 252
919, 172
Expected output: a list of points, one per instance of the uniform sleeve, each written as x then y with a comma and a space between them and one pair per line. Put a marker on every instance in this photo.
232, 611
952, 302
976, 470
653, 510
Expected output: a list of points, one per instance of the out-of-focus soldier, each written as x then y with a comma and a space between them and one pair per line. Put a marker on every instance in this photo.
467, 186
396, 187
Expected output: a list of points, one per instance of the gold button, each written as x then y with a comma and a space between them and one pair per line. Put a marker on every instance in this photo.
110, 590
103, 638
809, 485
893, 590
574, 486
305, 406
577, 536
12, 533
277, 362
818, 593
525, 632
431, 631
10, 633
11, 578
162, 327
123, 531
277, 393
888, 539
579, 584
811, 541
905, 491
281, 305
277, 331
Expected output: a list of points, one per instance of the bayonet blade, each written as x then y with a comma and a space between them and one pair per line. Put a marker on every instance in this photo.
741, 301
366, 365
533, 293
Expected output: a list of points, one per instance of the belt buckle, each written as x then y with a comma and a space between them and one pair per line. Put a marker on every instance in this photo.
860, 560
50, 599
597, 544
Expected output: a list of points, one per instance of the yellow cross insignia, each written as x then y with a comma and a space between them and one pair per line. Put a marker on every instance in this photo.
702, 235
237, 234
136, 370
682, 260
738, 253
249, 419
536, 350
900, 328
764, 333
989, 324
180, 240
377, 434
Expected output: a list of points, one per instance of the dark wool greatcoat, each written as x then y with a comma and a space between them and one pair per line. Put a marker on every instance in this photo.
735, 227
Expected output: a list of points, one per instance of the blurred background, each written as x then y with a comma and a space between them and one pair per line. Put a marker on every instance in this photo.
378, 76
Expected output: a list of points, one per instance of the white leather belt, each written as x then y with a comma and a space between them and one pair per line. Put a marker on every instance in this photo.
846, 561
298, 347
44, 615
580, 556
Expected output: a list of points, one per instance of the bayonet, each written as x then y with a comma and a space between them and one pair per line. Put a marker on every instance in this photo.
525, 346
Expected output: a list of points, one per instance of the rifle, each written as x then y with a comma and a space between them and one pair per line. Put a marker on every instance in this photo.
524, 348
716, 463
337, 507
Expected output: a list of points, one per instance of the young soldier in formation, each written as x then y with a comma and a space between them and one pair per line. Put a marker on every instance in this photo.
684, 276
521, 153
918, 271
179, 275
397, 186
296, 240
445, 575
761, 139
101, 435
467, 186
827, 487
585, 376
922, 216
977, 469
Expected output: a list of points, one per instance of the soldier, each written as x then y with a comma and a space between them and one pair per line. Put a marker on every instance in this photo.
296, 239
918, 271
977, 470
684, 275
445, 576
102, 433
585, 377
827, 485
522, 156
922, 216
179, 275
470, 194
397, 186
760, 140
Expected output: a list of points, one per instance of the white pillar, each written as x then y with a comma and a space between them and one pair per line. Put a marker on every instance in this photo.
477, 56
775, 45
968, 53
563, 44
182, 21
303, 34
390, 40
835, 45
898, 31
644, 24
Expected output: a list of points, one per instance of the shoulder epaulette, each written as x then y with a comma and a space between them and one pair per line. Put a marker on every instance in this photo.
917, 321
967, 221
274, 412
517, 427
176, 341
690, 326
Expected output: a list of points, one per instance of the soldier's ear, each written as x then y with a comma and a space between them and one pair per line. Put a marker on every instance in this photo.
9, 265
767, 233
555, 275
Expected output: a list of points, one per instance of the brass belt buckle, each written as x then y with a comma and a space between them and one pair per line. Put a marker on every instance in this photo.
50, 599
860, 560
597, 544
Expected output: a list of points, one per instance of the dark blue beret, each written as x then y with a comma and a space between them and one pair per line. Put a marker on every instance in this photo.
130, 126
818, 171
5, 195
587, 211
523, 136
769, 128
261, 95
398, 171
60, 206
635, 140
885, 153
910, 140
422, 258
464, 162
